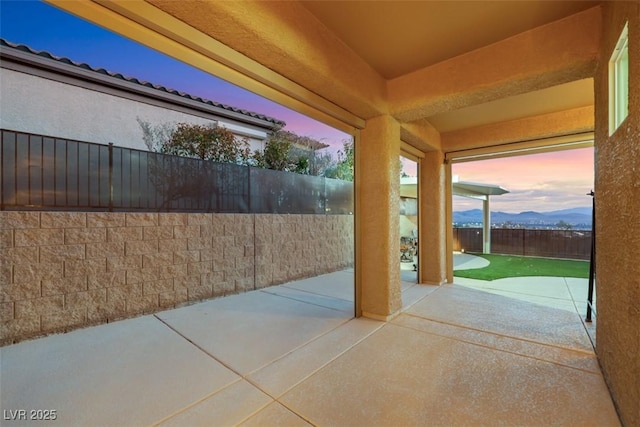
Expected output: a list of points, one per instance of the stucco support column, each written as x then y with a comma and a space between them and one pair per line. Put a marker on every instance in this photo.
378, 214
433, 225
448, 177
486, 226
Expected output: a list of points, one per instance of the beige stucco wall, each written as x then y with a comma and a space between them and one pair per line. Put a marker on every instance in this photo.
41, 106
64, 270
617, 224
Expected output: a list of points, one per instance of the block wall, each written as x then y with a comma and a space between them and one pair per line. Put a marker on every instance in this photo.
64, 270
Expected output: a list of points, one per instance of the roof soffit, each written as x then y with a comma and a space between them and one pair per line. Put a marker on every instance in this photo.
400, 37
265, 29
576, 121
547, 56
563, 97
288, 38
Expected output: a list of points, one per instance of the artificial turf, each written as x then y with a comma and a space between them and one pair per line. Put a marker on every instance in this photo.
501, 266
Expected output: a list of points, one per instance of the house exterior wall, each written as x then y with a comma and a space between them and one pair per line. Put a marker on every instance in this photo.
65, 270
38, 105
617, 224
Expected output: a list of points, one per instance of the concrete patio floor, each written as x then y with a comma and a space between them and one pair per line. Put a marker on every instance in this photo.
294, 355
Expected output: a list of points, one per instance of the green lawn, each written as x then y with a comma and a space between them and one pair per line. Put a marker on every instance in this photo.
502, 266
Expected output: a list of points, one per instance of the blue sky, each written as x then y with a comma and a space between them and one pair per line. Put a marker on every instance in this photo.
44, 27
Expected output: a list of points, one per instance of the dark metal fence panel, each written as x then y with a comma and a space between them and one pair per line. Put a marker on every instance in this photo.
136, 180
153, 181
570, 244
8, 173
48, 176
43, 172
21, 178
339, 197
232, 187
286, 193
50, 173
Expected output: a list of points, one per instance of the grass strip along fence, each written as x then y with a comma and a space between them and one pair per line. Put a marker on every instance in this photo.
502, 266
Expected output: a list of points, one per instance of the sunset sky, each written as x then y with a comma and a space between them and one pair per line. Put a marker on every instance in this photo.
542, 182
44, 27
537, 182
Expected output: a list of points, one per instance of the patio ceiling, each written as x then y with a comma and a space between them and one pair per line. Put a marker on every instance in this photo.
399, 37
411, 35
456, 75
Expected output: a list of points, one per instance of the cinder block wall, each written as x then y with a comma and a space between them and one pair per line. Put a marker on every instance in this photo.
64, 270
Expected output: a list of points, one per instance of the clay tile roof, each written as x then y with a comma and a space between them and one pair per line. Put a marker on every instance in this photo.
44, 54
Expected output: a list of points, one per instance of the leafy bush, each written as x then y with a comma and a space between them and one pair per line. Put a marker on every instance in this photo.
275, 155
287, 151
343, 169
284, 150
206, 142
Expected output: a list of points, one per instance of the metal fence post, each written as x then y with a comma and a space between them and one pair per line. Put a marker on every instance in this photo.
1, 172
249, 201
592, 264
324, 198
111, 177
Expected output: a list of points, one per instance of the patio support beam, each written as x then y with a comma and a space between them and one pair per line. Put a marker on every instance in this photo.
486, 226
190, 32
569, 122
378, 215
448, 221
556, 53
432, 239
421, 135
286, 39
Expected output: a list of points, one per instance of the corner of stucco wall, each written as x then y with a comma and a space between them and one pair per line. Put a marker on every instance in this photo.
618, 226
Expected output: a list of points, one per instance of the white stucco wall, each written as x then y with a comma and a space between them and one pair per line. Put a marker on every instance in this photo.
37, 105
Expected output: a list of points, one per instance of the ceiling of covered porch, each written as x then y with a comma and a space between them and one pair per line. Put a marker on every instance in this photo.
456, 75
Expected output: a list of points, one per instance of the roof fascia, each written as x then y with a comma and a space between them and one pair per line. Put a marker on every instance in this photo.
55, 70
153, 27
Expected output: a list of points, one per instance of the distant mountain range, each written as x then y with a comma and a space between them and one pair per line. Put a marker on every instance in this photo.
575, 216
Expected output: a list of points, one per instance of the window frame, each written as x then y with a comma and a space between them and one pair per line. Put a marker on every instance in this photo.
619, 81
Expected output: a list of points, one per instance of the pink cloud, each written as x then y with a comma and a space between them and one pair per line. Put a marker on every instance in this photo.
530, 171
540, 182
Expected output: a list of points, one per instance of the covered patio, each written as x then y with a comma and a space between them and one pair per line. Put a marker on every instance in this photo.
294, 355
456, 356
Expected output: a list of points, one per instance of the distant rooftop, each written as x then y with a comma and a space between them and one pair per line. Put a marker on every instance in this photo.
7, 47
476, 189
409, 188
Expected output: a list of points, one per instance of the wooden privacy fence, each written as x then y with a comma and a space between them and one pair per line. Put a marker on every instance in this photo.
47, 173
570, 244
